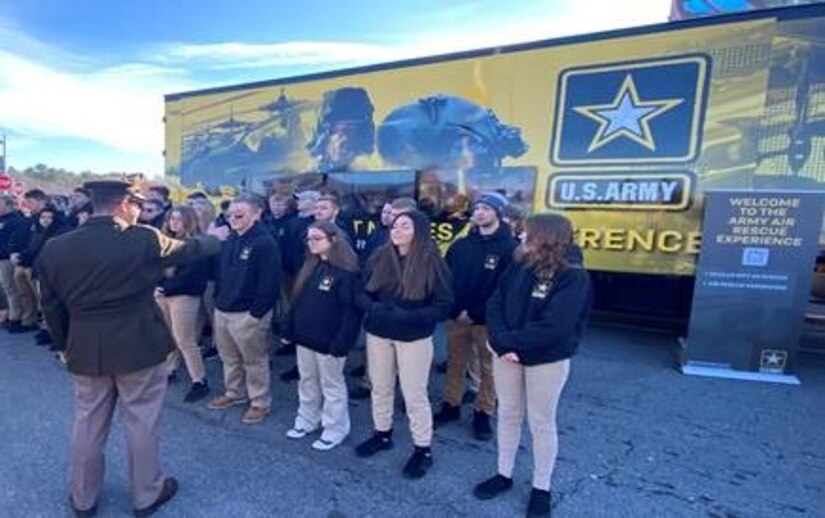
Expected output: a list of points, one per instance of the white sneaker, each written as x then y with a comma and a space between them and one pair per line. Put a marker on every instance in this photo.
325, 445
297, 433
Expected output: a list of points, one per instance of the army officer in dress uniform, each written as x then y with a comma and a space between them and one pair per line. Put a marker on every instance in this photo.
97, 288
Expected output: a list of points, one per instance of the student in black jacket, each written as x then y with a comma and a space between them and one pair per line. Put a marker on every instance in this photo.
20, 246
179, 296
324, 323
535, 320
10, 221
408, 291
477, 261
80, 207
246, 290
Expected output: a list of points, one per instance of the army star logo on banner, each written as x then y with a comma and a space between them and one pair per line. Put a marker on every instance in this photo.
627, 116
636, 112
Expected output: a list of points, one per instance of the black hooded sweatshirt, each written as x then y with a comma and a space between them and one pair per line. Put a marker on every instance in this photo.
477, 261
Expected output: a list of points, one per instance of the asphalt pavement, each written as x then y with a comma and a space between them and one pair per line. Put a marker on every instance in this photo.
637, 439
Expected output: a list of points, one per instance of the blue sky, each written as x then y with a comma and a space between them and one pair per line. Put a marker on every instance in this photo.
82, 82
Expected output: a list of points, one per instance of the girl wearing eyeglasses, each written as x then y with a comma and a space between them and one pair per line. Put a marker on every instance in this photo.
324, 323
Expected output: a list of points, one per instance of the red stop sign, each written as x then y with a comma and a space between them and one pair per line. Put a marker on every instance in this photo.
5, 182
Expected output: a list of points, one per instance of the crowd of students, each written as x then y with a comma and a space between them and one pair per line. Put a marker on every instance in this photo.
514, 296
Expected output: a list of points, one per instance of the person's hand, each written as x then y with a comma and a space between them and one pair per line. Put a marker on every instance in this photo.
159, 292
219, 231
510, 357
286, 341
61, 357
14, 258
464, 318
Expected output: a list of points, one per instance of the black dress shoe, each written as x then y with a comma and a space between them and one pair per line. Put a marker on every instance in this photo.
492, 487
379, 441
198, 391
82, 513
21, 328
8, 324
290, 375
360, 393
170, 488
482, 430
539, 504
43, 337
420, 461
446, 414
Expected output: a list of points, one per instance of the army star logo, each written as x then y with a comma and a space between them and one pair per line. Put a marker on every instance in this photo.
627, 116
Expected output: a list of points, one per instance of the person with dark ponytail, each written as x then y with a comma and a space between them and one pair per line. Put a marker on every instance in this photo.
324, 323
408, 291
535, 320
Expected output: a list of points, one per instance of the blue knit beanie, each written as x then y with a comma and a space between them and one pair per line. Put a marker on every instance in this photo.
496, 201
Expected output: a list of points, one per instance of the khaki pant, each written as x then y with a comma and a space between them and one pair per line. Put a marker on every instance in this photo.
410, 362
27, 295
243, 343
464, 338
181, 314
140, 398
540, 387
10, 288
322, 395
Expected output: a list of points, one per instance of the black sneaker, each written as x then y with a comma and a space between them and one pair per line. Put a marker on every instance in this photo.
419, 463
21, 328
360, 393
446, 414
482, 430
379, 441
492, 487
9, 323
539, 503
291, 375
198, 391
43, 337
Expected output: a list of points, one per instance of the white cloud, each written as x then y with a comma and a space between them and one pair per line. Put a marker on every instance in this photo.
236, 55
47, 92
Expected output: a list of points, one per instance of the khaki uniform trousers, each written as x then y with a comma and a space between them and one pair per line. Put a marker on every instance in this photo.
410, 362
467, 342
243, 343
322, 394
539, 386
181, 314
27, 295
10, 289
140, 397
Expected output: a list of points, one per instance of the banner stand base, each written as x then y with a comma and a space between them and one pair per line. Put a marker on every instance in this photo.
722, 372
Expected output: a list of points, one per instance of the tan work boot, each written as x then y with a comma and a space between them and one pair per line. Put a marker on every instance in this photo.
224, 402
254, 414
